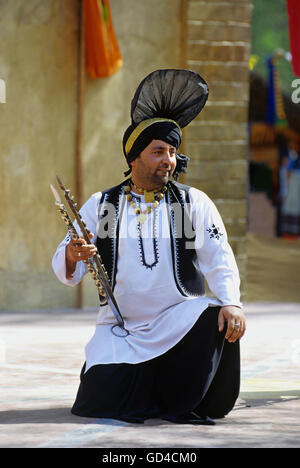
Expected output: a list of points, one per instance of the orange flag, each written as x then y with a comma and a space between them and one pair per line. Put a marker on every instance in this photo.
103, 57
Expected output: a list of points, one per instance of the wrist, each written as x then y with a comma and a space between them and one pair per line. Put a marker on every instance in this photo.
231, 307
70, 263
239, 305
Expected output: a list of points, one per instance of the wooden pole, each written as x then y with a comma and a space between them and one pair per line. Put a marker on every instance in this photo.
80, 122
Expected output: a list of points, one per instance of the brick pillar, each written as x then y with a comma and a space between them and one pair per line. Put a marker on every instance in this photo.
218, 35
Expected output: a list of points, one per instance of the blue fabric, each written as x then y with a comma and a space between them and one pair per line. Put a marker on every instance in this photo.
271, 103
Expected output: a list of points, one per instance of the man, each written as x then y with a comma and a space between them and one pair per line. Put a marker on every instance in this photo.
157, 239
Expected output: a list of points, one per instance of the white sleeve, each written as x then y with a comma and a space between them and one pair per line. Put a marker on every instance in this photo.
89, 213
215, 257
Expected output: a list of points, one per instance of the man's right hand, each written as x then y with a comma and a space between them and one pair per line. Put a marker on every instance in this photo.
76, 251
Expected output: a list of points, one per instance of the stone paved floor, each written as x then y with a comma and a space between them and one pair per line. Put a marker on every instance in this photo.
41, 354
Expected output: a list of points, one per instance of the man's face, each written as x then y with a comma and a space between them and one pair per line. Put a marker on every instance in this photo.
154, 166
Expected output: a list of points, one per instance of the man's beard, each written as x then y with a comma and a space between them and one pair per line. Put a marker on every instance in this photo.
163, 177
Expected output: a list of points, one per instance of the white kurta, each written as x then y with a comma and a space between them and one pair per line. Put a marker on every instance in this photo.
155, 313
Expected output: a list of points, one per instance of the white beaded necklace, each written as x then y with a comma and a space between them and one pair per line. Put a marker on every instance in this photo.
150, 197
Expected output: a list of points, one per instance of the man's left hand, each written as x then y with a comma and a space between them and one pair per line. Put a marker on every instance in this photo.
236, 322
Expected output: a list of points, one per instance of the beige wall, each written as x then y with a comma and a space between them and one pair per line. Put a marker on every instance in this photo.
37, 125
38, 61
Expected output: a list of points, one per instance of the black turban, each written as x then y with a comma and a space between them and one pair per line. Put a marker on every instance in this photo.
164, 103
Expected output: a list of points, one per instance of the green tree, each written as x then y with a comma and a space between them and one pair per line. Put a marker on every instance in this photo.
270, 32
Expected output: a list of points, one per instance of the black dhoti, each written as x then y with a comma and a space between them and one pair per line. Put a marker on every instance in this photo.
201, 373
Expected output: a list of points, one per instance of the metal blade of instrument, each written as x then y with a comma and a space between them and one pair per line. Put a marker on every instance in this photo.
56, 195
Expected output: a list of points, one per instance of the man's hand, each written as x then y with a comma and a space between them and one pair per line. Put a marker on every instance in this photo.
236, 322
76, 251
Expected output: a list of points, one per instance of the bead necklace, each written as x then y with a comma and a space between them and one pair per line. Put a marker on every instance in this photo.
153, 197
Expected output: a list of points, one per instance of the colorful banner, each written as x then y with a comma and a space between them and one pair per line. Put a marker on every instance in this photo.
103, 57
293, 8
275, 107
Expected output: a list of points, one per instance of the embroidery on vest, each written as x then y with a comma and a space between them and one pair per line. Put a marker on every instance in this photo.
214, 232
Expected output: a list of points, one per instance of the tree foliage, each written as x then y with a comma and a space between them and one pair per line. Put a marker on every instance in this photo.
270, 32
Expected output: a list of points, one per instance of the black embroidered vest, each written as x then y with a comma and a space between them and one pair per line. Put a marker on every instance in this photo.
188, 278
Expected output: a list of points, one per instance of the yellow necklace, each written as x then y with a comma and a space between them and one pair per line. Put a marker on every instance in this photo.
150, 197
